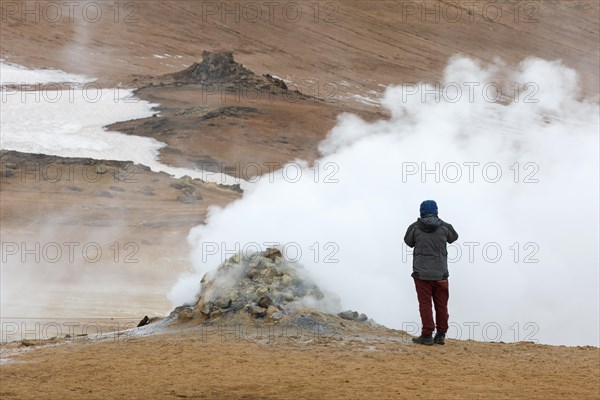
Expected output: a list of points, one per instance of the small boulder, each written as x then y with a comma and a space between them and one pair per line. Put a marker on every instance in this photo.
265, 302
206, 308
144, 321
185, 314
272, 310
272, 253
353, 316
256, 311
277, 315
222, 303
349, 315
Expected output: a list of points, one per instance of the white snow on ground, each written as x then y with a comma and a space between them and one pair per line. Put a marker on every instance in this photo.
366, 100
283, 79
166, 55
70, 123
16, 74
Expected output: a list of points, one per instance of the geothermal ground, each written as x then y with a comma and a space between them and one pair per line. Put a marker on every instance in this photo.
188, 364
141, 218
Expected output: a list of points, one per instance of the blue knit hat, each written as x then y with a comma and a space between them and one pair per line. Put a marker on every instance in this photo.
428, 207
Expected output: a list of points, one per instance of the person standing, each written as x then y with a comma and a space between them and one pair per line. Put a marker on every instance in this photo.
429, 236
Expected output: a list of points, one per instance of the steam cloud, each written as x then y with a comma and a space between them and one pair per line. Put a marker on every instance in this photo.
379, 170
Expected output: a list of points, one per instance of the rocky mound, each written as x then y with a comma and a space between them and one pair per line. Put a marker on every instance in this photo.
218, 69
265, 287
215, 68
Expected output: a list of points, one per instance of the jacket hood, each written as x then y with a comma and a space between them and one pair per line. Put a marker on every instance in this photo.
429, 224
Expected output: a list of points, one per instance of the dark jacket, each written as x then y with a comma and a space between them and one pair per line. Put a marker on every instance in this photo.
429, 236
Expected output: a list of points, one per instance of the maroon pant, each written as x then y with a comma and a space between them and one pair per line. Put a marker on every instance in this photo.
438, 291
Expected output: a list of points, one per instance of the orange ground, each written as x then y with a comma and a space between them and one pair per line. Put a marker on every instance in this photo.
188, 365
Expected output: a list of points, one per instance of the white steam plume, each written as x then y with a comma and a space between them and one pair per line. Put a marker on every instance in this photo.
550, 132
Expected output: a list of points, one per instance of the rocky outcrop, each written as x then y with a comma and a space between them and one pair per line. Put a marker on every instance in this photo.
190, 193
219, 72
215, 68
263, 289
263, 285
353, 316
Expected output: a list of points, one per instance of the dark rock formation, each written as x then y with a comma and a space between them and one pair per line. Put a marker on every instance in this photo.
276, 81
218, 72
144, 321
215, 68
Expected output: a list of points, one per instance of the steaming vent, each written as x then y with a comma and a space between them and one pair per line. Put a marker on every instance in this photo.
262, 286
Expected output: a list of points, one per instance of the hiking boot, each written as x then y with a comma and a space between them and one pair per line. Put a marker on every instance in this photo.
426, 340
439, 338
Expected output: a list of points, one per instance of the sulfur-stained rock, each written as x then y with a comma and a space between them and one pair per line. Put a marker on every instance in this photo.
272, 310
185, 314
222, 303
256, 311
261, 284
286, 280
206, 308
261, 291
